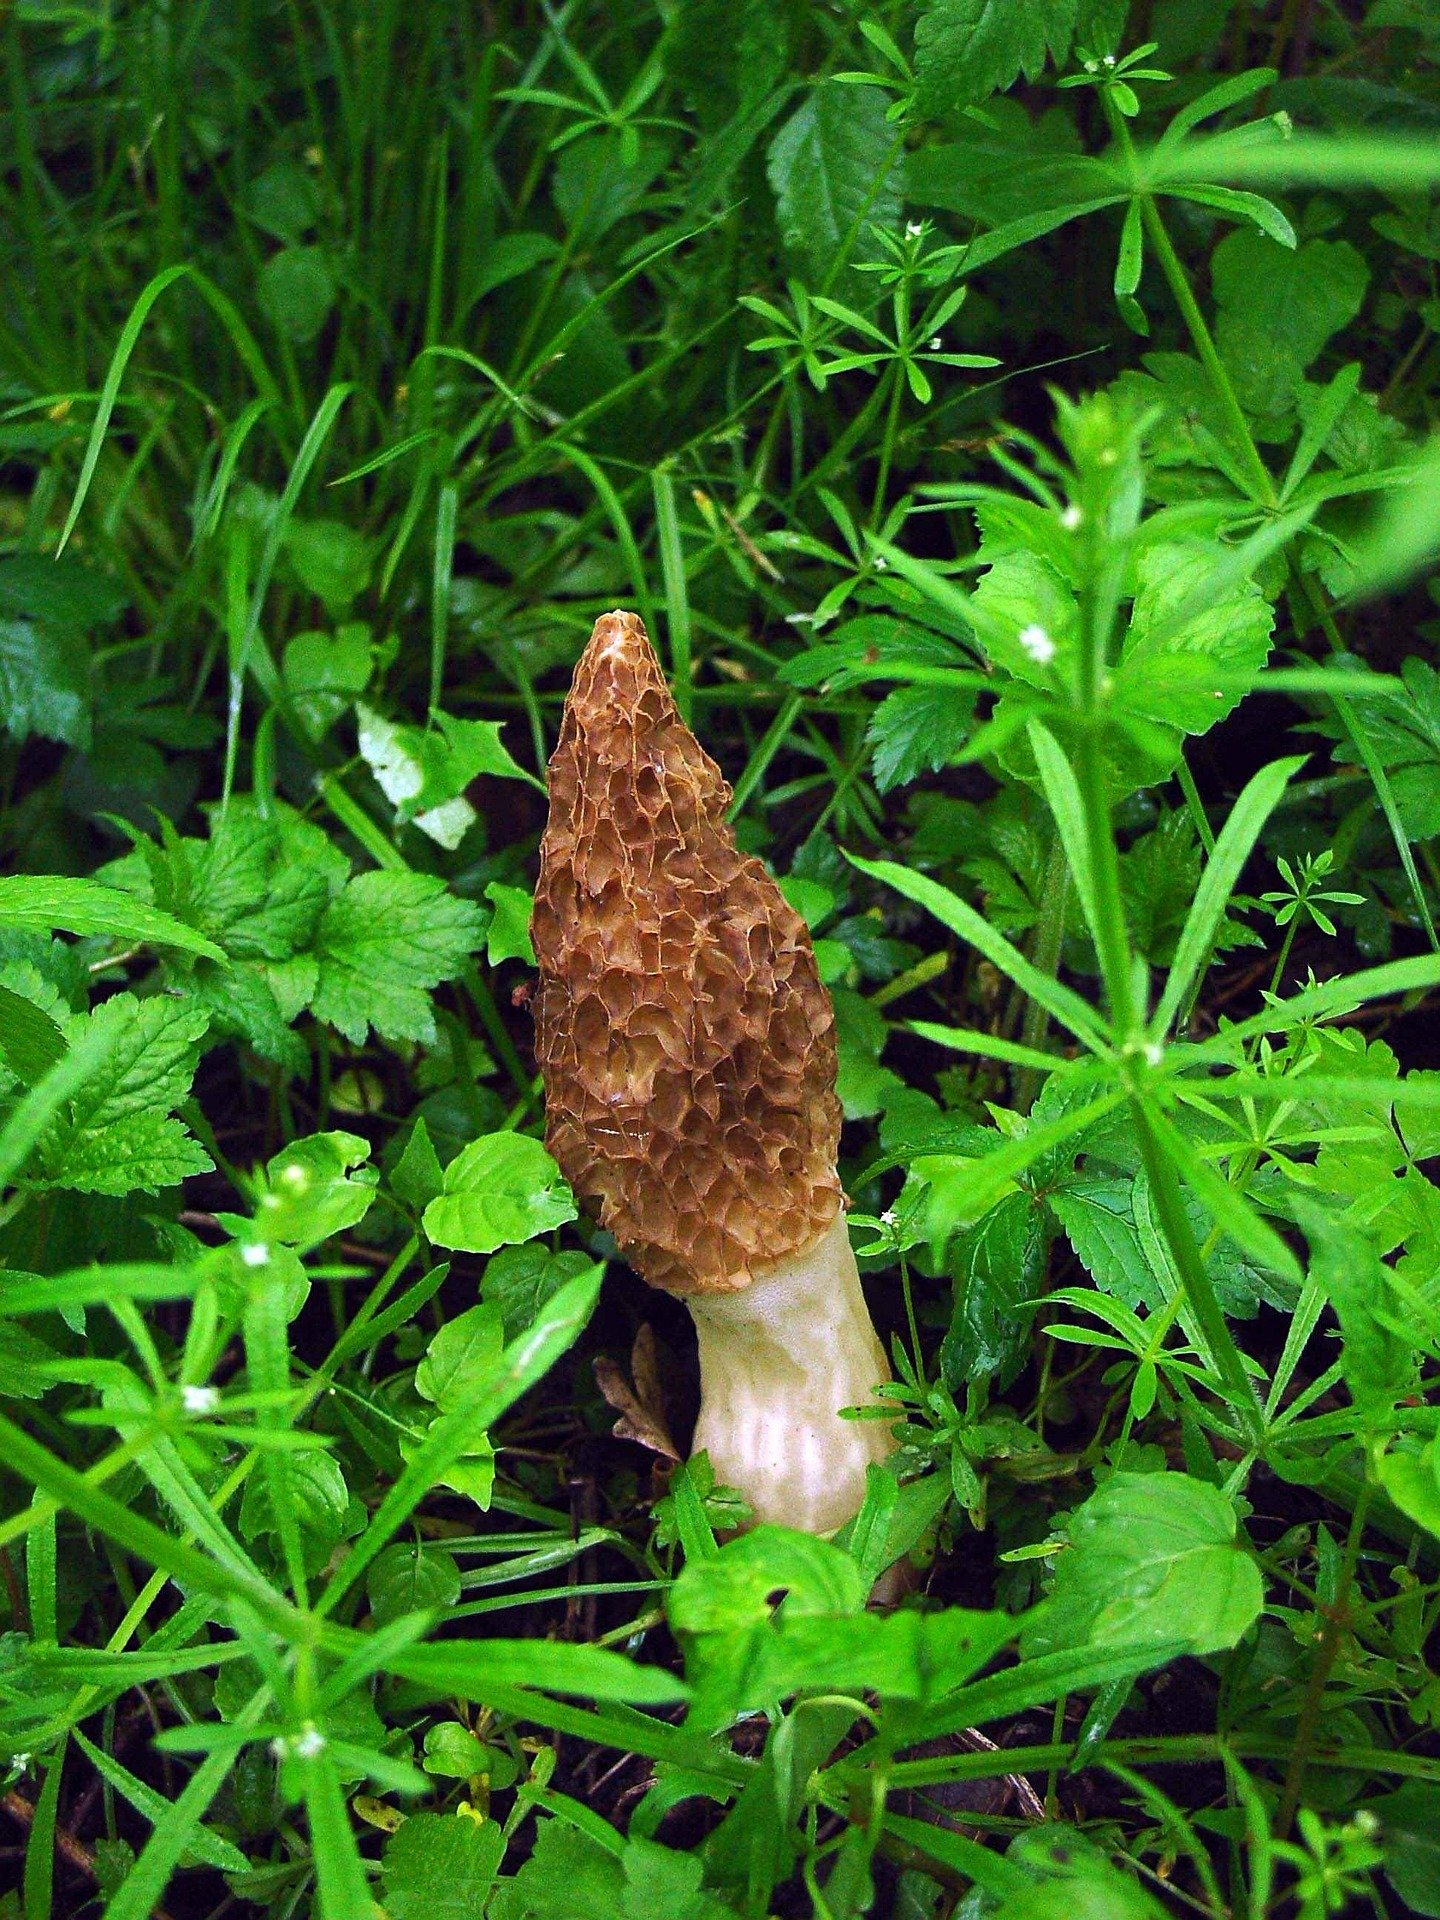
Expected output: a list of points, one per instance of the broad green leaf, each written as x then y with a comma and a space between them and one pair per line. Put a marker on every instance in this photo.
441, 1867
1410, 1834
833, 168
85, 907
317, 1497
502, 1188
1412, 1481
966, 49
31, 1043
118, 1132
998, 1269
1277, 308
1152, 1560
574, 1871
311, 1190
382, 945
45, 683
461, 1358
1072, 1880
1187, 679
296, 288
411, 1577
1377, 1363
333, 561
733, 1588
916, 730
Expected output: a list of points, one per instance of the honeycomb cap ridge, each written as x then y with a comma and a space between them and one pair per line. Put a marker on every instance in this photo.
686, 1041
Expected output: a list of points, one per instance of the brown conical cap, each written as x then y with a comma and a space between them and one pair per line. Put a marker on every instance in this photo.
687, 1044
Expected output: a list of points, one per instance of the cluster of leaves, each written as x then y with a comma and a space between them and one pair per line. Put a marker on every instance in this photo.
361, 356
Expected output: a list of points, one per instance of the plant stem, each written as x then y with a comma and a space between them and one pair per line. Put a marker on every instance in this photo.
1263, 485
1335, 1620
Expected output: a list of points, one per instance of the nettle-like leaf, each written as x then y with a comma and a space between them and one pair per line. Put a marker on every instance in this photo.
1183, 679
359, 951
119, 1132
966, 49
917, 730
441, 1867
834, 171
1152, 1560
382, 945
1277, 308
1405, 734
571, 1872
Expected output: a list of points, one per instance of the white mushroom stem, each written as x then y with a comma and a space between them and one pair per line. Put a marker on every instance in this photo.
779, 1358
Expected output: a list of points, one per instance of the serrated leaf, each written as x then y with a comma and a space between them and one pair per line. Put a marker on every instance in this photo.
966, 49
917, 730
1152, 1560
1174, 679
834, 170
382, 945
997, 1266
441, 1867
504, 1187
116, 1133
85, 906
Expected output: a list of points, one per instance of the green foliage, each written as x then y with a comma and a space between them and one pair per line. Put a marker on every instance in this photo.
1006, 429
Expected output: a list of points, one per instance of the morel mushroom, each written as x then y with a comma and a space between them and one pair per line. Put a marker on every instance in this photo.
688, 1050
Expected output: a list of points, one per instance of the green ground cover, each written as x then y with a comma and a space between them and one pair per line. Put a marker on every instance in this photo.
1012, 419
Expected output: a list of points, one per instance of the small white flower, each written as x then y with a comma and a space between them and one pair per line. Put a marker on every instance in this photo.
882, 565
1071, 518
1109, 59
20, 1762
301, 1746
1154, 1053
1092, 66
255, 1253
199, 1399
935, 344
914, 229
1038, 644
887, 1219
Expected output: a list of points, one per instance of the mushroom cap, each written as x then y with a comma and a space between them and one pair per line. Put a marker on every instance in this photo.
687, 1044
